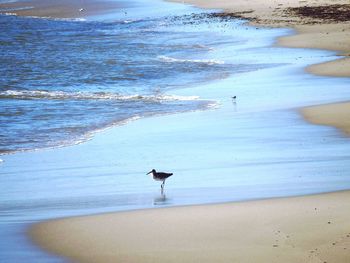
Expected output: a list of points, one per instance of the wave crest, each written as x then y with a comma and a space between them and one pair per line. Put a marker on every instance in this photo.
63, 95
204, 61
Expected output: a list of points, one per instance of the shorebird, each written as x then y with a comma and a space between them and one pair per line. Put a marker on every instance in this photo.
159, 176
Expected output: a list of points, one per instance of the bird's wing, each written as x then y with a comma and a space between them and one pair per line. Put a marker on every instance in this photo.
164, 175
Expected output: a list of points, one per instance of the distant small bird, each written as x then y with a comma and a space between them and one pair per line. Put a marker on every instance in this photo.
234, 97
81, 9
159, 176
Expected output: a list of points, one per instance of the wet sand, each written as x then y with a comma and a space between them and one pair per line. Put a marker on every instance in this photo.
60, 9
318, 24
299, 229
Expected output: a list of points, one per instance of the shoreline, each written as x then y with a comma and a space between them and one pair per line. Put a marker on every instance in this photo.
247, 250
334, 114
318, 25
66, 9
303, 229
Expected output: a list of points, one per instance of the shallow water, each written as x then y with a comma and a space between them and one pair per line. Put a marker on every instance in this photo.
63, 80
256, 146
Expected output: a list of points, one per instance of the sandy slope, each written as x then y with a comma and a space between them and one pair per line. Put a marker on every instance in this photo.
301, 229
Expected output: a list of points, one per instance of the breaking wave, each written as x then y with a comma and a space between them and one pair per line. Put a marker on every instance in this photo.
203, 61
16, 9
63, 95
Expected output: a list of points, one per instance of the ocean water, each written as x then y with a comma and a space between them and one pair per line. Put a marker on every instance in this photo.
63, 80
161, 77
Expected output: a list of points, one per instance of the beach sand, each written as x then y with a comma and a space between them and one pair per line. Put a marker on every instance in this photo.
318, 24
60, 9
336, 114
299, 229
332, 36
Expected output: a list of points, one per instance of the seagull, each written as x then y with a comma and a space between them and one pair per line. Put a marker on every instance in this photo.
159, 176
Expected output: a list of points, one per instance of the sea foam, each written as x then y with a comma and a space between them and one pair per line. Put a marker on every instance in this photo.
178, 60
63, 95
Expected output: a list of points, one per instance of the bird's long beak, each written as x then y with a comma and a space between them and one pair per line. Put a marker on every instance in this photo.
149, 172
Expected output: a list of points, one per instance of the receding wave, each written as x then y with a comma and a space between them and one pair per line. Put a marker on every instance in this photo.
16, 8
204, 61
63, 95
77, 19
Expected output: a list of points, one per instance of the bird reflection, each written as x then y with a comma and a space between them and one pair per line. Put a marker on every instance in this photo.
234, 102
160, 200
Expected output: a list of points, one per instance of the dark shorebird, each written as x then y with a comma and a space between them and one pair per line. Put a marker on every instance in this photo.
159, 176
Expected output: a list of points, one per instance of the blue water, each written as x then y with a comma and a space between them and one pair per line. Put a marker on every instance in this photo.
63, 81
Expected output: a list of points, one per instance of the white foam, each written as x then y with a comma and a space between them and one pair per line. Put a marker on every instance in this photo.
62, 95
128, 21
204, 61
16, 8
47, 17
79, 19
203, 47
10, 14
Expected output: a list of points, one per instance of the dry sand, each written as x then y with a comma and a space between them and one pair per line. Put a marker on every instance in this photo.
320, 24
289, 230
332, 36
336, 114
301, 229
60, 8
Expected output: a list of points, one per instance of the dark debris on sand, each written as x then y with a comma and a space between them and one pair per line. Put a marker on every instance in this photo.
326, 13
229, 16
197, 18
